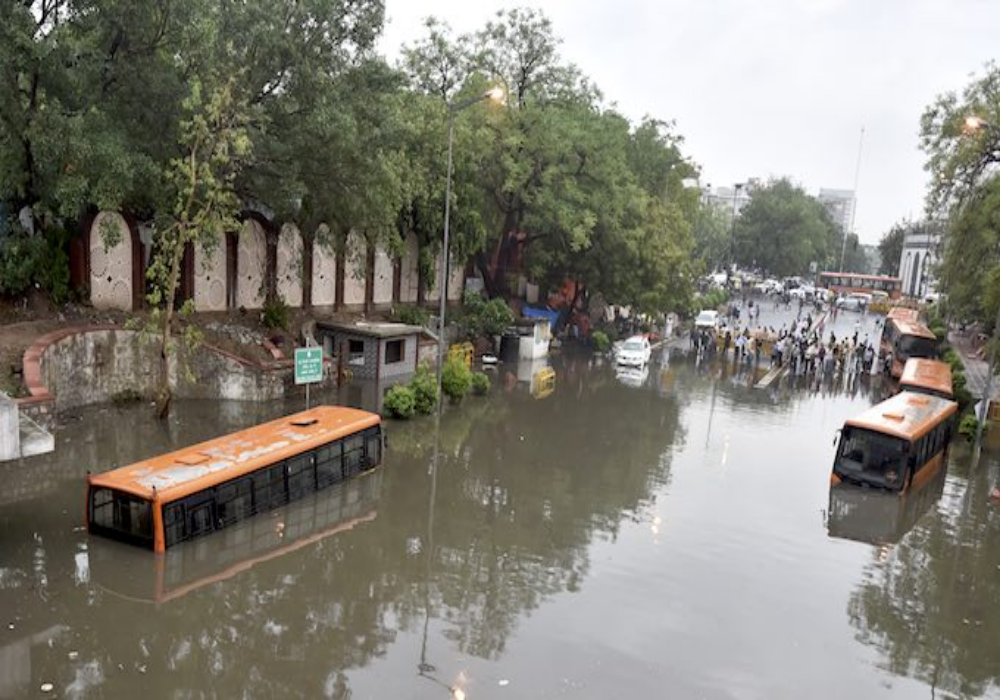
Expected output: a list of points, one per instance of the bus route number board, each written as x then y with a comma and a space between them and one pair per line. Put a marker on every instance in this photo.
308, 365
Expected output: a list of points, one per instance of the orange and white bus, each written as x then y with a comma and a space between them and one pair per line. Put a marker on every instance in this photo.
896, 445
166, 500
906, 339
843, 283
927, 377
331, 513
903, 313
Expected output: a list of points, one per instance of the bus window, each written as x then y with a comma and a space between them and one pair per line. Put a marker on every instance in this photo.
872, 458
373, 449
354, 450
329, 460
122, 515
173, 523
234, 501
914, 346
200, 509
269, 488
301, 476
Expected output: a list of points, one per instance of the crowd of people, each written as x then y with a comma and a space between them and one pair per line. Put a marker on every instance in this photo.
801, 345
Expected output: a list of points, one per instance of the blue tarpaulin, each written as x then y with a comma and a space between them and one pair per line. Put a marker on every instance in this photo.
531, 312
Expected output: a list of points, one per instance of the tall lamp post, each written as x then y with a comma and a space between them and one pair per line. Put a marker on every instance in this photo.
732, 230
496, 94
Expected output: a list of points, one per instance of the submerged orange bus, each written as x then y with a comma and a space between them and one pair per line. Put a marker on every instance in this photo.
927, 377
896, 445
165, 500
906, 339
903, 313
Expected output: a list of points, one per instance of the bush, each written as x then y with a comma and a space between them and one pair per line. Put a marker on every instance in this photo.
953, 359
276, 314
480, 384
601, 341
411, 315
20, 257
456, 379
400, 402
967, 428
482, 317
425, 391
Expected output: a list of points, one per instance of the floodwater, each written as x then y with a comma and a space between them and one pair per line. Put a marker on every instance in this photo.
667, 533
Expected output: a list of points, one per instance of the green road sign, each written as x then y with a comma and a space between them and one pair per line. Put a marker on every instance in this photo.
308, 365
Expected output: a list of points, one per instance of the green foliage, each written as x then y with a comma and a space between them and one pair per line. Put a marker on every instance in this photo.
967, 427
480, 383
482, 317
712, 299
20, 259
953, 359
425, 391
602, 343
782, 230
411, 315
276, 314
456, 379
400, 402
890, 248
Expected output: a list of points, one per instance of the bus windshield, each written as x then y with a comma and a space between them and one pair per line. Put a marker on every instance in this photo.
870, 457
121, 516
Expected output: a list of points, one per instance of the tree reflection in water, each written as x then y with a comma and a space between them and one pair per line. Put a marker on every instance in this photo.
925, 604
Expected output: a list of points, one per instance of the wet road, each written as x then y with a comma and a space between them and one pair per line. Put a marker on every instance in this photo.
619, 537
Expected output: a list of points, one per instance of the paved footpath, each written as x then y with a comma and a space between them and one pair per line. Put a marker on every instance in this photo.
976, 369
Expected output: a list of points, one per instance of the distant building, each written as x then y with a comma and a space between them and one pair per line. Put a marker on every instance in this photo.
728, 200
919, 260
840, 205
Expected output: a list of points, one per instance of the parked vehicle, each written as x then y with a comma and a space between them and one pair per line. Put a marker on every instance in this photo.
634, 352
854, 301
707, 319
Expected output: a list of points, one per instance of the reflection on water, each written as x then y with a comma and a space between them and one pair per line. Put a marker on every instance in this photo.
578, 545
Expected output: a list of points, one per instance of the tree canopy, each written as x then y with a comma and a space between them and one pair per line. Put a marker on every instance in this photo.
890, 248
782, 230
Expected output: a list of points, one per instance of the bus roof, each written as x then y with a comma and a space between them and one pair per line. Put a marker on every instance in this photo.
901, 313
180, 473
932, 374
906, 415
914, 328
859, 276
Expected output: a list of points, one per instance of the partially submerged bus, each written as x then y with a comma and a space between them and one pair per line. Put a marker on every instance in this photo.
163, 501
906, 339
896, 445
927, 377
334, 512
903, 313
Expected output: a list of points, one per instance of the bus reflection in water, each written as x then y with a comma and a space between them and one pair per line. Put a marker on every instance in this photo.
131, 573
863, 515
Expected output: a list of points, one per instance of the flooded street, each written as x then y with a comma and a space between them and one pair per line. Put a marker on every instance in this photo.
665, 533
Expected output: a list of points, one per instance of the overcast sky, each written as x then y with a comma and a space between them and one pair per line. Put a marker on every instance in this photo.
768, 87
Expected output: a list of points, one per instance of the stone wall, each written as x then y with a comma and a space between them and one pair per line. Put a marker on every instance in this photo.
324, 275
111, 266
290, 265
251, 264
382, 295
214, 374
354, 271
91, 367
210, 276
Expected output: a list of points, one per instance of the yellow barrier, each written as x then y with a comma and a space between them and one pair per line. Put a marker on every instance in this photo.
462, 351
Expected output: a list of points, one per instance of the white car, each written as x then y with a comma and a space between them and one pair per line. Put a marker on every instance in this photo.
707, 319
632, 376
854, 301
634, 352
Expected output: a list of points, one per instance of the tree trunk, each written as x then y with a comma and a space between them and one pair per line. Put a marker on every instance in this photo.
164, 395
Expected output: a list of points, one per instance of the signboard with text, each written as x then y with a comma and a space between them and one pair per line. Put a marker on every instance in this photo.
308, 365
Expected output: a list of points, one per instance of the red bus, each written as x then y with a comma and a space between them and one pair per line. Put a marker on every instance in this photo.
842, 283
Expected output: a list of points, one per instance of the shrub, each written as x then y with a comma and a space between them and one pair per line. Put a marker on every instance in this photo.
400, 402
276, 314
425, 391
967, 428
953, 359
456, 379
601, 341
411, 315
480, 384
20, 258
484, 317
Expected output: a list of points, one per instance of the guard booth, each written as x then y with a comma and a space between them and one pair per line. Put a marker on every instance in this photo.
371, 350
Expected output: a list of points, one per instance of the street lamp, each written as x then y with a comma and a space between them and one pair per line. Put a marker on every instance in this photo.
973, 124
496, 94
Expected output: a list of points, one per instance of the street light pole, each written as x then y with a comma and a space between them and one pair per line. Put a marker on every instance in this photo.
854, 194
496, 94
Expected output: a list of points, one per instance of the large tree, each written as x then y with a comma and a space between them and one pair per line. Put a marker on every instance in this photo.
782, 230
890, 248
961, 136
